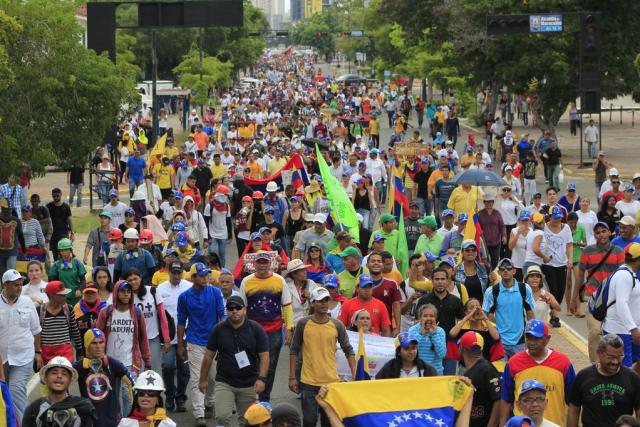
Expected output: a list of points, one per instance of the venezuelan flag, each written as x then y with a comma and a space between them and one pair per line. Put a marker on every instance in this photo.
397, 402
362, 363
473, 231
299, 175
7, 415
397, 195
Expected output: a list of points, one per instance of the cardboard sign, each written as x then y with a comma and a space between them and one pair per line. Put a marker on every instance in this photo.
250, 258
412, 149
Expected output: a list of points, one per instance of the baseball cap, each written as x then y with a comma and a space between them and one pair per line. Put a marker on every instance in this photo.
199, 269
529, 385
330, 281
508, 168
255, 236
349, 251
613, 172
571, 187
263, 255
374, 151
10, 276
488, 197
468, 244
448, 212
378, 238
364, 280
318, 294
247, 199
263, 230
635, 176
235, 300
601, 153
106, 214
600, 224
176, 267
56, 287
447, 261
505, 261
269, 209
309, 217
538, 328
362, 165
525, 215
537, 195
463, 217
520, 421
414, 203
404, 339
556, 212
91, 287
630, 188
320, 217
113, 193
472, 341
627, 220
632, 250
429, 221
258, 413
384, 218
429, 256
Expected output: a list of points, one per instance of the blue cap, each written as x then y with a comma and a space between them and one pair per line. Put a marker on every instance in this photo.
113, 193
404, 339
269, 209
330, 281
318, 178
429, 256
177, 194
537, 328
448, 212
601, 224
263, 229
178, 226
362, 165
448, 261
183, 164
345, 174
122, 284
378, 238
556, 212
364, 280
630, 188
571, 187
529, 385
200, 269
525, 215
374, 151
463, 217
520, 421
263, 255
181, 240
130, 211
169, 252
255, 236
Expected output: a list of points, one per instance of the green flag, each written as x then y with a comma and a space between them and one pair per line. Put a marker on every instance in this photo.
342, 209
402, 251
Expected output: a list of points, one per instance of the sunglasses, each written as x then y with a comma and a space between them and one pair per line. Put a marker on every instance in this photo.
234, 308
150, 393
615, 182
469, 249
269, 213
505, 267
506, 190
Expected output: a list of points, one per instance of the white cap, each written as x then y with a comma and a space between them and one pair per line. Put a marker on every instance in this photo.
138, 195
272, 186
308, 217
318, 294
635, 176
131, 233
58, 362
613, 172
296, 264
10, 276
320, 217
149, 380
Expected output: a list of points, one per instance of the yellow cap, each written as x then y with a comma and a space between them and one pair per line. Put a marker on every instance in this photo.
537, 217
258, 413
633, 250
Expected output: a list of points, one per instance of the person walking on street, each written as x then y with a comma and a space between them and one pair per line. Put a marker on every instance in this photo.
98, 241
148, 409
61, 220
315, 342
605, 391
200, 308
591, 135
11, 238
242, 351
75, 179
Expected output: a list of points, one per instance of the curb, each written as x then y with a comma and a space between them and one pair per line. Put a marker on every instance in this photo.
33, 384
574, 338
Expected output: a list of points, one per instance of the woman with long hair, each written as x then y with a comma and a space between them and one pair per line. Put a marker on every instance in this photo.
34, 288
476, 320
363, 202
318, 267
518, 243
545, 301
102, 279
148, 407
293, 220
361, 320
152, 307
406, 364
608, 212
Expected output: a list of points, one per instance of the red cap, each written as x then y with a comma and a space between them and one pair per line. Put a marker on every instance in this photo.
222, 189
56, 288
247, 199
115, 234
146, 236
257, 195
471, 341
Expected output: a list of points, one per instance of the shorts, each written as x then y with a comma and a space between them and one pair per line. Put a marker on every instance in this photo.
631, 350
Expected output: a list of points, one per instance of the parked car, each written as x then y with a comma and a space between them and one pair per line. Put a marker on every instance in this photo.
350, 79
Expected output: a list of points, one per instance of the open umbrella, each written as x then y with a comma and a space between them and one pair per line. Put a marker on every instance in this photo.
479, 177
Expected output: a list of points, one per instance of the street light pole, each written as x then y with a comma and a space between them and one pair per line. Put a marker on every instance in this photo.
154, 81
200, 42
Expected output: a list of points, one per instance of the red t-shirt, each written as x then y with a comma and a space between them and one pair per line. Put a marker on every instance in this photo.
618, 196
375, 307
387, 292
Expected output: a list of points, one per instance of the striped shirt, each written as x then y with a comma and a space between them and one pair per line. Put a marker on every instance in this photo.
32, 233
591, 257
13, 194
56, 330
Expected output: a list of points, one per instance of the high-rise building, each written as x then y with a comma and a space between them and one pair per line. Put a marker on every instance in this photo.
297, 10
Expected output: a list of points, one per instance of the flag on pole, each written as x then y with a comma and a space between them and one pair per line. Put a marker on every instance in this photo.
402, 251
342, 208
362, 363
159, 147
397, 196
401, 402
473, 231
7, 414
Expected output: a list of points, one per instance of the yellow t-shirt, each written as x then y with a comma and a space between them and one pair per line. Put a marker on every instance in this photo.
171, 152
218, 171
462, 201
163, 175
394, 275
318, 342
275, 165
256, 170
162, 275
373, 127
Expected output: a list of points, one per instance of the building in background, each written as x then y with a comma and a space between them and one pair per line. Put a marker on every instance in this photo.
297, 10
275, 12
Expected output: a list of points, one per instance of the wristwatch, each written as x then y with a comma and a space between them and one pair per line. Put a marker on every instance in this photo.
263, 379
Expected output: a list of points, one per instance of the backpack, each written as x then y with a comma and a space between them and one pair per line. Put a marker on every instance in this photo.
599, 302
42, 311
8, 234
170, 322
495, 290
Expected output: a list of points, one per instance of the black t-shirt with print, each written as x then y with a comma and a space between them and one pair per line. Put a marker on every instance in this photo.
605, 398
486, 380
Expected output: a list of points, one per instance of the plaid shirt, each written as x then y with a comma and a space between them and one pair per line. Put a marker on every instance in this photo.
13, 194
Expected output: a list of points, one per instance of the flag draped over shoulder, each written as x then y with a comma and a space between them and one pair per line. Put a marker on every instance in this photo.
342, 208
473, 231
299, 175
402, 251
403, 402
7, 415
159, 147
397, 196
362, 363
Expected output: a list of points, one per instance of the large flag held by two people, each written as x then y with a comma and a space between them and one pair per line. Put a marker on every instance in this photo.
342, 208
443, 401
299, 176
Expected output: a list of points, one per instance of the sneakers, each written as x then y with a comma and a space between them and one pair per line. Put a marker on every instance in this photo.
200, 422
170, 405
555, 322
180, 407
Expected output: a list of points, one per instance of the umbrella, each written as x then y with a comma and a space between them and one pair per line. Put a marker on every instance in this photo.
330, 111
479, 177
311, 143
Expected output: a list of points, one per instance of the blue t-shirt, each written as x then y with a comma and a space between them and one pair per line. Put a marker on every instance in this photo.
136, 168
141, 259
621, 243
200, 311
509, 316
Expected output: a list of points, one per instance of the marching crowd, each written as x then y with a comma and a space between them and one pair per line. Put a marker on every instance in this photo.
153, 311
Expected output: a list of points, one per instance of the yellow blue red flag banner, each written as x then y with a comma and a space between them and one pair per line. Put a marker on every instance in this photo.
390, 403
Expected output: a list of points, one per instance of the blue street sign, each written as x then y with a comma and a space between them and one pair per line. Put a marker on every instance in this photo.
545, 23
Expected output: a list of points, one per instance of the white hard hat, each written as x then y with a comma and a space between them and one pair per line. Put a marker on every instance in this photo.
272, 186
131, 233
149, 380
58, 362
138, 195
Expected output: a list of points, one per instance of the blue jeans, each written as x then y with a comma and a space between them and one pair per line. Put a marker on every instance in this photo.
156, 354
450, 367
510, 350
17, 378
310, 407
592, 149
169, 361
77, 190
381, 190
275, 344
219, 246
366, 215
103, 191
133, 184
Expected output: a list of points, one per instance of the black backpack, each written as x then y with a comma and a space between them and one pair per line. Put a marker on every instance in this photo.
495, 290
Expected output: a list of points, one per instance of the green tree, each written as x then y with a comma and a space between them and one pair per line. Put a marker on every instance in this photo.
317, 31
63, 97
215, 74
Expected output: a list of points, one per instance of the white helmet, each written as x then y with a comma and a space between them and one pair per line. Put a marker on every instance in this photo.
131, 233
58, 362
272, 187
138, 195
149, 380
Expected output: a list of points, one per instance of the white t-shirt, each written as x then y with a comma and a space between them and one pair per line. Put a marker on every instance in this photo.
413, 373
35, 290
117, 213
588, 220
442, 231
624, 315
19, 322
530, 256
217, 223
556, 245
150, 312
120, 343
169, 295
124, 155
628, 208
519, 251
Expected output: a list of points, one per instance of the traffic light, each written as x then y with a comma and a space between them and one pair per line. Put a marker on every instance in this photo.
507, 24
590, 34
